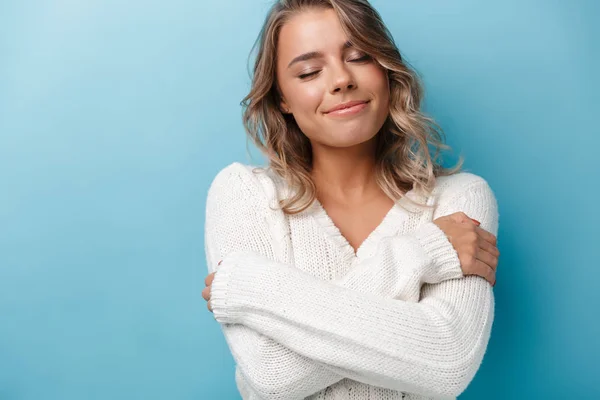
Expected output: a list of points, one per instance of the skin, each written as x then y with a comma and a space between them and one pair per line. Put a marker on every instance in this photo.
344, 147
311, 87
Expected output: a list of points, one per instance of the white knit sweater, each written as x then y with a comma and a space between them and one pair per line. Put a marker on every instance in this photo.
306, 317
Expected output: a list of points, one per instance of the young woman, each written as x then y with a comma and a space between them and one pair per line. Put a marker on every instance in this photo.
354, 266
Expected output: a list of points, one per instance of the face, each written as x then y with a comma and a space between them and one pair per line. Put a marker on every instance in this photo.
319, 72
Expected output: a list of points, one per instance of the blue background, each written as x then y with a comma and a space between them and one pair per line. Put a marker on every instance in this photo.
115, 116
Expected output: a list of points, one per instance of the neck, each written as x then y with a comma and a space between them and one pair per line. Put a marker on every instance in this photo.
345, 175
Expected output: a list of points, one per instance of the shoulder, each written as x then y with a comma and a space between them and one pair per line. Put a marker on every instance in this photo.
242, 200
460, 184
454, 191
248, 183
468, 193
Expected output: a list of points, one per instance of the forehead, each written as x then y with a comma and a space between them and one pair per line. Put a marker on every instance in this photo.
310, 30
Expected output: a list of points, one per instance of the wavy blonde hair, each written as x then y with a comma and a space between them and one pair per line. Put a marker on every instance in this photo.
403, 158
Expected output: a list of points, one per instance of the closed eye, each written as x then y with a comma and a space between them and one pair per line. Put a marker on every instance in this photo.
356, 60
308, 75
361, 59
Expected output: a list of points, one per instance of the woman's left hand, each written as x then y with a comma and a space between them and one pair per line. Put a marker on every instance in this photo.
206, 291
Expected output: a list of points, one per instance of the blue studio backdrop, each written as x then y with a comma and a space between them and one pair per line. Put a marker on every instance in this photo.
115, 116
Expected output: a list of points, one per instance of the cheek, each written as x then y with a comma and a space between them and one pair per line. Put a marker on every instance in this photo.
379, 83
376, 82
305, 98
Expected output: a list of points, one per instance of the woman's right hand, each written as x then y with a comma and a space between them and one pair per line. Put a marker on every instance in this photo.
475, 246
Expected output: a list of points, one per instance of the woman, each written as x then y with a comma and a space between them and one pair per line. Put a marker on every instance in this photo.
355, 266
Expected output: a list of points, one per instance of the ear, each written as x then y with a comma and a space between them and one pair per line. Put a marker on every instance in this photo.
284, 107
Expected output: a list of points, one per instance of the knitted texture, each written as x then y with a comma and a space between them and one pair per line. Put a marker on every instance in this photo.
307, 317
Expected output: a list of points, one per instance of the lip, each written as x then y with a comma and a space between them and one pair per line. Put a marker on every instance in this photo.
350, 107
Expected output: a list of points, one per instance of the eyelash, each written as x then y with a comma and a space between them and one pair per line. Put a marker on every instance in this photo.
366, 57
360, 59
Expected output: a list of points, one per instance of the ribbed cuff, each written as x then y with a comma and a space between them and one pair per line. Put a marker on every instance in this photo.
238, 286
218, 294
446, 264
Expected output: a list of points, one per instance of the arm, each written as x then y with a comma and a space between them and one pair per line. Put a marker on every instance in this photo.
237, 220
433, 347
271, 369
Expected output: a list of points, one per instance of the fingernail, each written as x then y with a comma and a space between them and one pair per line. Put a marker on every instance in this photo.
477, 222
220, 262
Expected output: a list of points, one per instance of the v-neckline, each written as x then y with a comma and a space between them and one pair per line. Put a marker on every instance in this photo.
389, 226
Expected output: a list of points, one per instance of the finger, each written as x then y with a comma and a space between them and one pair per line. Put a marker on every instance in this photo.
209, 279
461, 218
487, 246
487, 258
206, 293
464, 218
486, 272
209, 306
486, 235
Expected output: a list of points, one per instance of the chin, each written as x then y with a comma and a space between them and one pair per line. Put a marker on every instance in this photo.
346, 139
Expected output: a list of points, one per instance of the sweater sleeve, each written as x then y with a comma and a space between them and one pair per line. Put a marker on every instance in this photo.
235, 221
433, 347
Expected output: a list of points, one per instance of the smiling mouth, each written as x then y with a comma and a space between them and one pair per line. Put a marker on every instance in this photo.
352, 109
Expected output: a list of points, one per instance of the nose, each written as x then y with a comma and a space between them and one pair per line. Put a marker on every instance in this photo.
342, 80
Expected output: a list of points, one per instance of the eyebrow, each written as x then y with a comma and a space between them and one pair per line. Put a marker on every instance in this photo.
314, 54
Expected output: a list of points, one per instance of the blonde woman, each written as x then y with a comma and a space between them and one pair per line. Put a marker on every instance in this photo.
353, 266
